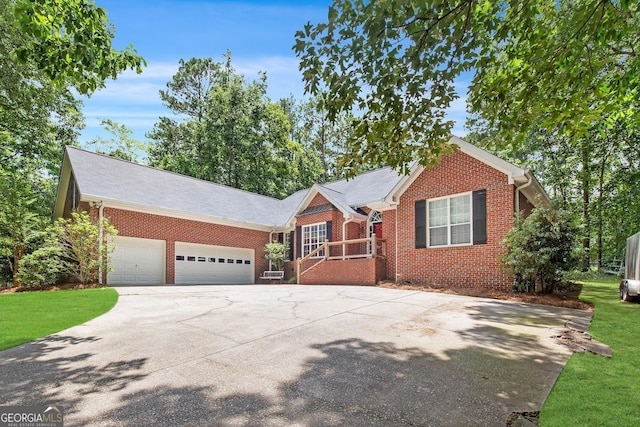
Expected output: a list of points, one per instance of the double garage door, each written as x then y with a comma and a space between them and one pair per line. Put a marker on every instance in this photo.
213, 265
138, 261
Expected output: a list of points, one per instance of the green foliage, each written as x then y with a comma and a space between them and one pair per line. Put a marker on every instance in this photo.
41, 267
229, 132
555, 65
593, 177
538, 249
276, 253
36, 117
23, 215
326, 139
122, 145
592, 390
83, 254
27, 316
70, 41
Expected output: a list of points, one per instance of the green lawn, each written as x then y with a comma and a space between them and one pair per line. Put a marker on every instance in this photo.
593, 390
29, 315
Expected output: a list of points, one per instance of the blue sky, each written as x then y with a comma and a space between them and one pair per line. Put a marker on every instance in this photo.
259, 35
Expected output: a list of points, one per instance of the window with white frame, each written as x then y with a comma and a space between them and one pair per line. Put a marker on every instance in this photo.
287, 244
313, 236
449, 221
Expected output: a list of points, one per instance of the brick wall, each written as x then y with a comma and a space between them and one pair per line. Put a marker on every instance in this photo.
149, 226
362, 271
463, 266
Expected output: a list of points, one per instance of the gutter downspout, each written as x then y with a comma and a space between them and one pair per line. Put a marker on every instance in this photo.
100, 236
518, 189
396, 242
344, 234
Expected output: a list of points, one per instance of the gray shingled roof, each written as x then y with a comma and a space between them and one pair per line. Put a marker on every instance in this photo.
105, 178
368, 187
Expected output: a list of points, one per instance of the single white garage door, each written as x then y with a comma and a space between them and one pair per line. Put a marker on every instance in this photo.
213, 265
137, 262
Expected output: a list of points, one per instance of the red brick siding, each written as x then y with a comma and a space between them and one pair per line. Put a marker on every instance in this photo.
466, 266
525, 205
149, 226
389, 232
362, 271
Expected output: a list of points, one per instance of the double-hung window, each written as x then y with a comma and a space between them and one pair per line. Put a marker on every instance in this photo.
449, 221
313, 236
286, 241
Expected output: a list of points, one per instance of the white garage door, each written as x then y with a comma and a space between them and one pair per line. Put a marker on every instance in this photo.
213, 265
137, 262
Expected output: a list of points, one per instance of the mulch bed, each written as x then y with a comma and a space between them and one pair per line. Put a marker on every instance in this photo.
58, 287
561, 298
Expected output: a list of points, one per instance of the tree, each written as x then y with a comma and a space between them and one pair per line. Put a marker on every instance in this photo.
85, 245
543, 64
590, 177
122, 145
538, 249
276, 254
49, 50
77, 246
70, 41
227, 131
22, 216
36, 117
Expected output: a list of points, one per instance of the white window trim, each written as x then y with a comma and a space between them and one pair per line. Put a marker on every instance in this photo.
449, 245
287, 244
302, 232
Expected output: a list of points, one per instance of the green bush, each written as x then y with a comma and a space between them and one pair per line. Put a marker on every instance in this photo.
42, 267
276, 253
72, 249
539, 249
83, 252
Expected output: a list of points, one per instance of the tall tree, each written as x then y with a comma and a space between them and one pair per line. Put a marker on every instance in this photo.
557, 65
122, 144
226, 130
325, 138
71, 42
591, 177
49, 50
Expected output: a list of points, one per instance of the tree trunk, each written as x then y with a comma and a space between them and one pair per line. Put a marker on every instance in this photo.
586, 175
600, 209
18, 253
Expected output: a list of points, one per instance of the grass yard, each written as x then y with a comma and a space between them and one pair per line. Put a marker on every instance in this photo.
26, 316
593, 390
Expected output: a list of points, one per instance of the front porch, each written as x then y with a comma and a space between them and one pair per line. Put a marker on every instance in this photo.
346, 262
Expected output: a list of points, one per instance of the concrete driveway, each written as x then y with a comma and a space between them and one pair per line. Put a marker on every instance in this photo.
293, 355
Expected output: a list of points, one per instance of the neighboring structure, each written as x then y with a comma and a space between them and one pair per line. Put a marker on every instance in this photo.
439, 226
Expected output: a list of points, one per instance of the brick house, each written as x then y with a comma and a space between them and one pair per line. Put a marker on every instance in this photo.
441, 225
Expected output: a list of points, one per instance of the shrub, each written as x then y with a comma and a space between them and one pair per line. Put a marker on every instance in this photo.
41, 267
82, 251
73, 248
275, 252
539, 249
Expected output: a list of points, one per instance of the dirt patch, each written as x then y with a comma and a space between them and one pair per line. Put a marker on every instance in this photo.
59, 287
567, 298
575, 336
530, 418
